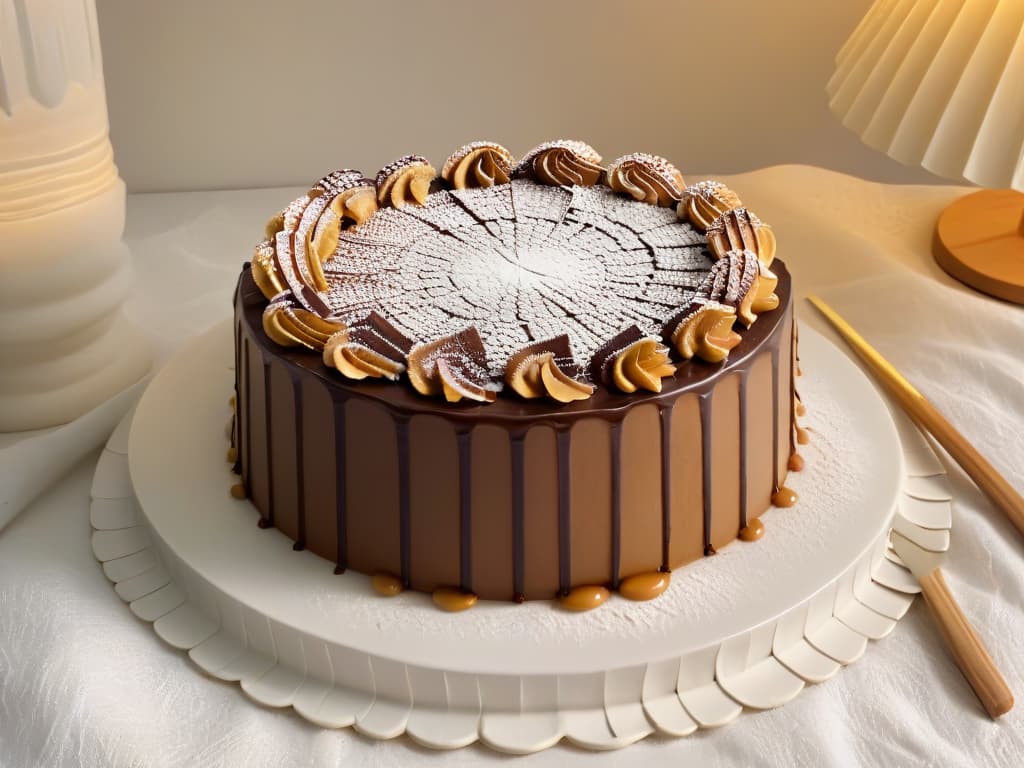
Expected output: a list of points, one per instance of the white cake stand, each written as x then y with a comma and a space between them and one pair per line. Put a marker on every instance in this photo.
748, 628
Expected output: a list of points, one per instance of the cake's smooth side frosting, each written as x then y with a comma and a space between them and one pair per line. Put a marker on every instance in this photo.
515, 499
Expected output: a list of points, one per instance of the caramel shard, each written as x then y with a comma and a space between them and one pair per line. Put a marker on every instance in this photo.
647, 178
288, 325
631, 361
741, 230
547, 368
407, 180
455, 366
479, 164
705, 331
368, 348
562, 162
705, 201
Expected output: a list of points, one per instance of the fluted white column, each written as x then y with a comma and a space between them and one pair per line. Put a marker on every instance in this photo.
64, 272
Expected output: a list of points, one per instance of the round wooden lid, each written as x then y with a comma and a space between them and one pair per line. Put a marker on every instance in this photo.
979, 240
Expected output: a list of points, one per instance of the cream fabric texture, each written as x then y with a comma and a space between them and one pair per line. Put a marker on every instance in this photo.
83, 682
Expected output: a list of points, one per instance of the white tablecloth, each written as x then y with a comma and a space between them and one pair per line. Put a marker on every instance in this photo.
83, 682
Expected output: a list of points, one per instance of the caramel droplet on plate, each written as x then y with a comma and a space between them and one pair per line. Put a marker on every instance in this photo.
238, 491
232, 455
385, 584
644, 586
784, 497
801, 409
231, 401
753, 531
453, 599
796, 462
803, 437
583, 598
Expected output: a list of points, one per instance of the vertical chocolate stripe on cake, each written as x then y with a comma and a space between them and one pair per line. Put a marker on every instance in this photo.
463, 437
236, 423
616, 521
705, 437
267, 520
300, 463
776, 482
517, 439
338, 399
744, 376
665, 418
246, 425
564, 510
402, 433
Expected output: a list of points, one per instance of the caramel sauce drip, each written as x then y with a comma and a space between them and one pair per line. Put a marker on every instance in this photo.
784, 497
796, 463
645, 586
232, 455
453, 600
801, 409
752, 531
803, 437
238, 491
584, 598
385, 584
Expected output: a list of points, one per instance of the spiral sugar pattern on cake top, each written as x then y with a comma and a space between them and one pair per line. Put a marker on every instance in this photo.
549, 277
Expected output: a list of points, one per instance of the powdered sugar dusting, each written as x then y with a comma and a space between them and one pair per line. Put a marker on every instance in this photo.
520, 262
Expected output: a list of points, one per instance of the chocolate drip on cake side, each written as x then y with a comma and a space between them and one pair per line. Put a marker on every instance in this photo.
517, 439
744, 375
338, 401
267, 520
463, 436
237, 426
776, 483
562, 438
300, 464
665, 423
404, 500
246, 424
616, 501
704, 401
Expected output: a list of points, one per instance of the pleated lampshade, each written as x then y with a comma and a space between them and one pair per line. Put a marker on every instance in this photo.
940, 84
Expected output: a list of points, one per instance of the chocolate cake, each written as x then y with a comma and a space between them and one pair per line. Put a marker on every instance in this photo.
515, 381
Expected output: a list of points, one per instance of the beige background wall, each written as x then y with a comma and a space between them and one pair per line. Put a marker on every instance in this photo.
239, 93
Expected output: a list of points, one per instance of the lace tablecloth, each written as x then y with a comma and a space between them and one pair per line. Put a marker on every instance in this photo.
83, 682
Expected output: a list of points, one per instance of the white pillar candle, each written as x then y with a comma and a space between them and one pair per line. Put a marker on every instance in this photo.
64, 272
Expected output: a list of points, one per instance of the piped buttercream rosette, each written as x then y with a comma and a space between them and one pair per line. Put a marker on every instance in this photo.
549, 278
407, 180
705, 201
647, 178
562, 162
478, 164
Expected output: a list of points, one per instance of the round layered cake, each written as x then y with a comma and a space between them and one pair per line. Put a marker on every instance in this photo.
515, 380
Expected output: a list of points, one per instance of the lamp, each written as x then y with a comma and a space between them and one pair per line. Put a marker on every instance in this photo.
940, 83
